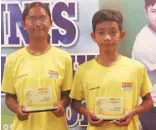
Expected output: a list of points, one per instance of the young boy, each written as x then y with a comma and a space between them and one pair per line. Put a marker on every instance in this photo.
144, 51
110, 84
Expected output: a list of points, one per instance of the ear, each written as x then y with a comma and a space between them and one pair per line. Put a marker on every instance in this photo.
51, 23
122, 35
93, 36
23, 24
145, 11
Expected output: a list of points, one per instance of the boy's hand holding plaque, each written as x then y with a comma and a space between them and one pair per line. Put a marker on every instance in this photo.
109, 108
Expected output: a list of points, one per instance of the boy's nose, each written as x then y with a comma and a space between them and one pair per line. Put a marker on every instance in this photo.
107, 37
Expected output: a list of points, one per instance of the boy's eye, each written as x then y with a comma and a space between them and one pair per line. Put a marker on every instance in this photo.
101, 33
113, 32
153, 11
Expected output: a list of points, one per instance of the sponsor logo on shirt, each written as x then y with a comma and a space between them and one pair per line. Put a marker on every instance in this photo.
53, 74
127, 86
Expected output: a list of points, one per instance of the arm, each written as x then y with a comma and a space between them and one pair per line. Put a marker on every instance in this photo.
8, 88
65, 99
67, 82
78, 107
12, 104
65, 89
61, 104
92, 119
146, 104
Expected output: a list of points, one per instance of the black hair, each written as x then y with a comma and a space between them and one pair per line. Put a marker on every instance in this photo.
31, 5
107, 15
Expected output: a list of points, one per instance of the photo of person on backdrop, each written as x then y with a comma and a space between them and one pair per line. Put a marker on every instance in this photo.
110, 84
38, 75
144, 51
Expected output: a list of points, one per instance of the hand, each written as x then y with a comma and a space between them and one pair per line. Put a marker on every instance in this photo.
20, 115
59, 109
126, 119
94, 121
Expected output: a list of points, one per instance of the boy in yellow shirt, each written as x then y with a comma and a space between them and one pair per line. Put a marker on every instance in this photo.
110, 84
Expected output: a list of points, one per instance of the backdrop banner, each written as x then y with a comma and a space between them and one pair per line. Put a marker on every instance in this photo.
76, 29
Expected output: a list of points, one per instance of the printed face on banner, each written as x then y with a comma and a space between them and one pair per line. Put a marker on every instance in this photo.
151, 15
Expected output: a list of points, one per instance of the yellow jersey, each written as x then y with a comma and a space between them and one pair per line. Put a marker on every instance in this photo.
23, 72
127, 79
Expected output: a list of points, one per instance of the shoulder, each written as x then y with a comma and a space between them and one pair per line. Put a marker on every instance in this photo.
61, 53
142, 37
144, 31
85, 66
132, 63
13, 57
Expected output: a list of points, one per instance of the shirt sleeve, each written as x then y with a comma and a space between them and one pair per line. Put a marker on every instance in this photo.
8, 80
146, 85
77, 91
68, 76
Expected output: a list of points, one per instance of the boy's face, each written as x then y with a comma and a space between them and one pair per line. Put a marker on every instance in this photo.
107, 35
151, 14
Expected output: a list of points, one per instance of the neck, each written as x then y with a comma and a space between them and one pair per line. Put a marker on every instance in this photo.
38, 45
151, 27
107, 58
37, 48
